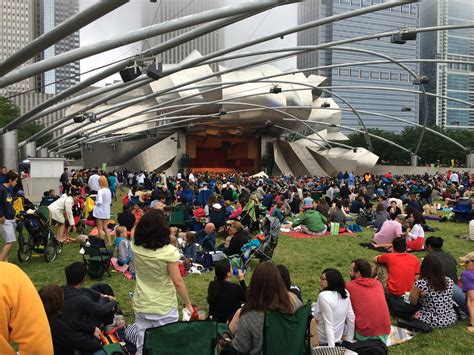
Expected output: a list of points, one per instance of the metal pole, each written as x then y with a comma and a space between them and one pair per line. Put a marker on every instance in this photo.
59, 32
28, 150
9, 149
134, 36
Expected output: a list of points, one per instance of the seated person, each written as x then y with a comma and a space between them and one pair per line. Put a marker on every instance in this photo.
223, 296
389, 231
190, 250
137, 212
228, 208
83, 304
467, 278
126, 218
207, 237
393, 210
433, 291
415, 235
123, 249
333, 311
68, 336
337, 215
312, 222
381, 215
413, 202
372, 319
235, 230
356, 205
402, 269
253, 244
237, 211
266, 292
285, 275
277, 211
48, 198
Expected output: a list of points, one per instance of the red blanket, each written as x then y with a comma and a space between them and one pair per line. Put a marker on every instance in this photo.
300, 235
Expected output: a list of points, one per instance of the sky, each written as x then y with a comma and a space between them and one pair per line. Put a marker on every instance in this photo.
121, 21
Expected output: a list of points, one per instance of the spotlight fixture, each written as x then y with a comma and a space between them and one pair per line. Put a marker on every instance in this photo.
79, 119
92, 117
325, 104
403, 36
397, 39
128, 74
406, 109
354, 150
155, 71
421, 80
275, 89
268, 123
222, 112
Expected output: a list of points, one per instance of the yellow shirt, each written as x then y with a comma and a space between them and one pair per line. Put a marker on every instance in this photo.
22, 316
154, 290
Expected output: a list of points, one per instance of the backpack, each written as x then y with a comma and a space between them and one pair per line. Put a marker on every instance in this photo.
364, 217
367, 347
204, 258
95, 270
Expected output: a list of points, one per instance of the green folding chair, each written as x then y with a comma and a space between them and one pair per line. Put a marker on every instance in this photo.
195, 337
287, 333
177, 216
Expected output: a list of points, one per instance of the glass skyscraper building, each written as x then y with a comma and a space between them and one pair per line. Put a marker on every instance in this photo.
449, 79
393, 103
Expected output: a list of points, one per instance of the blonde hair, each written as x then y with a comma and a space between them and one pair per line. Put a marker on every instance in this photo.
120, 231
103, 183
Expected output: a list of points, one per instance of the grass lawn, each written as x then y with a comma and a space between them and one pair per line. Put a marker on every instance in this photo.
305, 258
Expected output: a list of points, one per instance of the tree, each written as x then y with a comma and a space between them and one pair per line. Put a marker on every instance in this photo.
9, 111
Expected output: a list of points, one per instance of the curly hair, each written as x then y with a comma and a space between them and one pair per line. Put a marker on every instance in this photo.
152, 231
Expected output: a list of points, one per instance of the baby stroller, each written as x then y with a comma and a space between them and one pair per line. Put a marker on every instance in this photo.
41, 238
271, 230
250, 216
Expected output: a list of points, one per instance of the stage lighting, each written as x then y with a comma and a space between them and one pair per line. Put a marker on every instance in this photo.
128, 74
421, 80
408, 35
325, 104
92, 117
406, 109
222, 112
79, 119
155, 71
275, 89
397, 39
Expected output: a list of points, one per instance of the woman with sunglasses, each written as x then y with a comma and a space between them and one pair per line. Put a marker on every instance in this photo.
467, 277
333, 311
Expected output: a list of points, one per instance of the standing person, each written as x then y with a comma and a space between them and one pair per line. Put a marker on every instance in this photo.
158, 276
372, 319
22, 316
112, 179
64, 180
434, 292
93, 183
62, 209
333, 310
102, 209
467, 278
7, 214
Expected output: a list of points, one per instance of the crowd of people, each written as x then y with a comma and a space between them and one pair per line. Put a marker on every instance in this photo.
220, 213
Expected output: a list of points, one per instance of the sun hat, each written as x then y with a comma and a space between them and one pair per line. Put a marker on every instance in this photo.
468, 257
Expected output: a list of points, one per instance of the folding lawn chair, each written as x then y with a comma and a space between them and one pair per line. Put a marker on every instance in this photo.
195, 337
287, 333
97, 258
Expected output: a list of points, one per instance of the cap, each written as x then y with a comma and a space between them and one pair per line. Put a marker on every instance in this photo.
468, 257
307, 202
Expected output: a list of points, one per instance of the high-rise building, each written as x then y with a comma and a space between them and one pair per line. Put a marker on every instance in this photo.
393, 103
20, 22
49, 14
166, 10
16, 30
448, 79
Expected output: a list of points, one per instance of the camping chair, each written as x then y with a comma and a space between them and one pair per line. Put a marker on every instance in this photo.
462, 210
177, 216
96, 257
287, 333
195, 337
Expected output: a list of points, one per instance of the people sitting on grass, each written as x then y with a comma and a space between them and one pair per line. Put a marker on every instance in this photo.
372, 318
223, 296
397, 270
415, 234
312, 222
285, 274
190, 249
381, 215
467, 278
126, 218
333, 311
433, 291
70, 336
207, 237
393, 210
236, 238
265, 292
389, 231
434, 245
85, 305
337, 215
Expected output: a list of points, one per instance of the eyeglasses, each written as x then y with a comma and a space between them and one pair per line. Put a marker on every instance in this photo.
322, 278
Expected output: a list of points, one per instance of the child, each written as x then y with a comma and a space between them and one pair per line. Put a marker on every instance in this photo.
123, 248
277, 212
190, 250
228, 208
174, 237
137, 212
252, 245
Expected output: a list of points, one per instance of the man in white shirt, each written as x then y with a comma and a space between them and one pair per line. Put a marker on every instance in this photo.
191, 177
454, 178
93, 182
141, 178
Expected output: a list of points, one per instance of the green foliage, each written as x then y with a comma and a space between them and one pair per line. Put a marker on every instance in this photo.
305, 258
432, 149
9, 111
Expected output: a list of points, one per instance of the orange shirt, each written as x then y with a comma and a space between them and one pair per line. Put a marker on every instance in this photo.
22, 316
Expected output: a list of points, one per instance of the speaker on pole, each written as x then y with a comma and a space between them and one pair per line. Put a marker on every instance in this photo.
128, 74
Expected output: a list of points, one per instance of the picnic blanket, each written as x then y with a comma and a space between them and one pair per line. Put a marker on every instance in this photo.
301, 235
123, 269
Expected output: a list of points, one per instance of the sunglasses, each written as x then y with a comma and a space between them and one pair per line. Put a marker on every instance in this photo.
468, 262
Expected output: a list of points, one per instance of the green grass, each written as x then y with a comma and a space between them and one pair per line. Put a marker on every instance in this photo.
305, 258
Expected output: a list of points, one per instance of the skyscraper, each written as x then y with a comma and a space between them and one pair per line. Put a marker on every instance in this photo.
154, 13
394, 103
49, 14
448, 79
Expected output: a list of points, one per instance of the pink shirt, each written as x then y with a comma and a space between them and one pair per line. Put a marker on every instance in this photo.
389, 231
